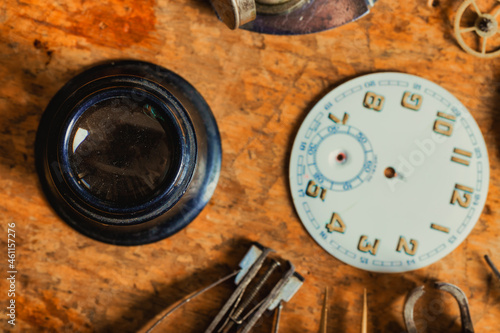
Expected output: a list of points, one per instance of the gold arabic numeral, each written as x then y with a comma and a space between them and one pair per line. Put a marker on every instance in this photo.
444, 124
440, 228
336, 224
412, 101
373, 101
365, 246
403, 245
442, 127
465, 156
462, 194
337, 120
323, 194
313, 190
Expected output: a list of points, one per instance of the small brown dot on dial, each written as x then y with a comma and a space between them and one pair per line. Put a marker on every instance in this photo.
390, 172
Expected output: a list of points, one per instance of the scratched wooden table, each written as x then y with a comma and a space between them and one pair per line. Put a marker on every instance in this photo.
260, 88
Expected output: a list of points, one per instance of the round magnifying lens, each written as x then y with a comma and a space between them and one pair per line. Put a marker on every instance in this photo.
128, 153
121, 151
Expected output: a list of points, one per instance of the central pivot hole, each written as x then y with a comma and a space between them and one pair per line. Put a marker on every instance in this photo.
341, 157
484, 24
390, 172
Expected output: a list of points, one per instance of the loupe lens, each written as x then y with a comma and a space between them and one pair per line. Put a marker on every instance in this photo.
128, 153
121, 151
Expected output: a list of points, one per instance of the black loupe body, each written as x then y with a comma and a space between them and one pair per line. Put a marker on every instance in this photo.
128, 153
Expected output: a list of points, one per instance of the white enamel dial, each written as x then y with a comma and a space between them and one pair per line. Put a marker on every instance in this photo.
389, 172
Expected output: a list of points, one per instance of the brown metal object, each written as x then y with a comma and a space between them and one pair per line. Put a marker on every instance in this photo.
324, 314
364, 320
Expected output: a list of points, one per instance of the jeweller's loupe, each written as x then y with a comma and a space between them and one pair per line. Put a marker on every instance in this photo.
128, 153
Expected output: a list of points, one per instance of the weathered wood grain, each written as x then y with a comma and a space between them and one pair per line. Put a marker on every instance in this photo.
260, 88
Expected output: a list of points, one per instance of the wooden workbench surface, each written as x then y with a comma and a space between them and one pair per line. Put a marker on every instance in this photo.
260, 88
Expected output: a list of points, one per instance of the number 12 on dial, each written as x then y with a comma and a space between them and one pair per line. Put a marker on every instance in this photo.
389, 172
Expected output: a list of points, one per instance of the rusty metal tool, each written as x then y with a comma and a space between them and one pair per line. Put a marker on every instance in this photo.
364, 320
324, 314
492, 266
456, 292
262, 284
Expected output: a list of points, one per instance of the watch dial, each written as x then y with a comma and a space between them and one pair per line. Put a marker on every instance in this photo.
389, 172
